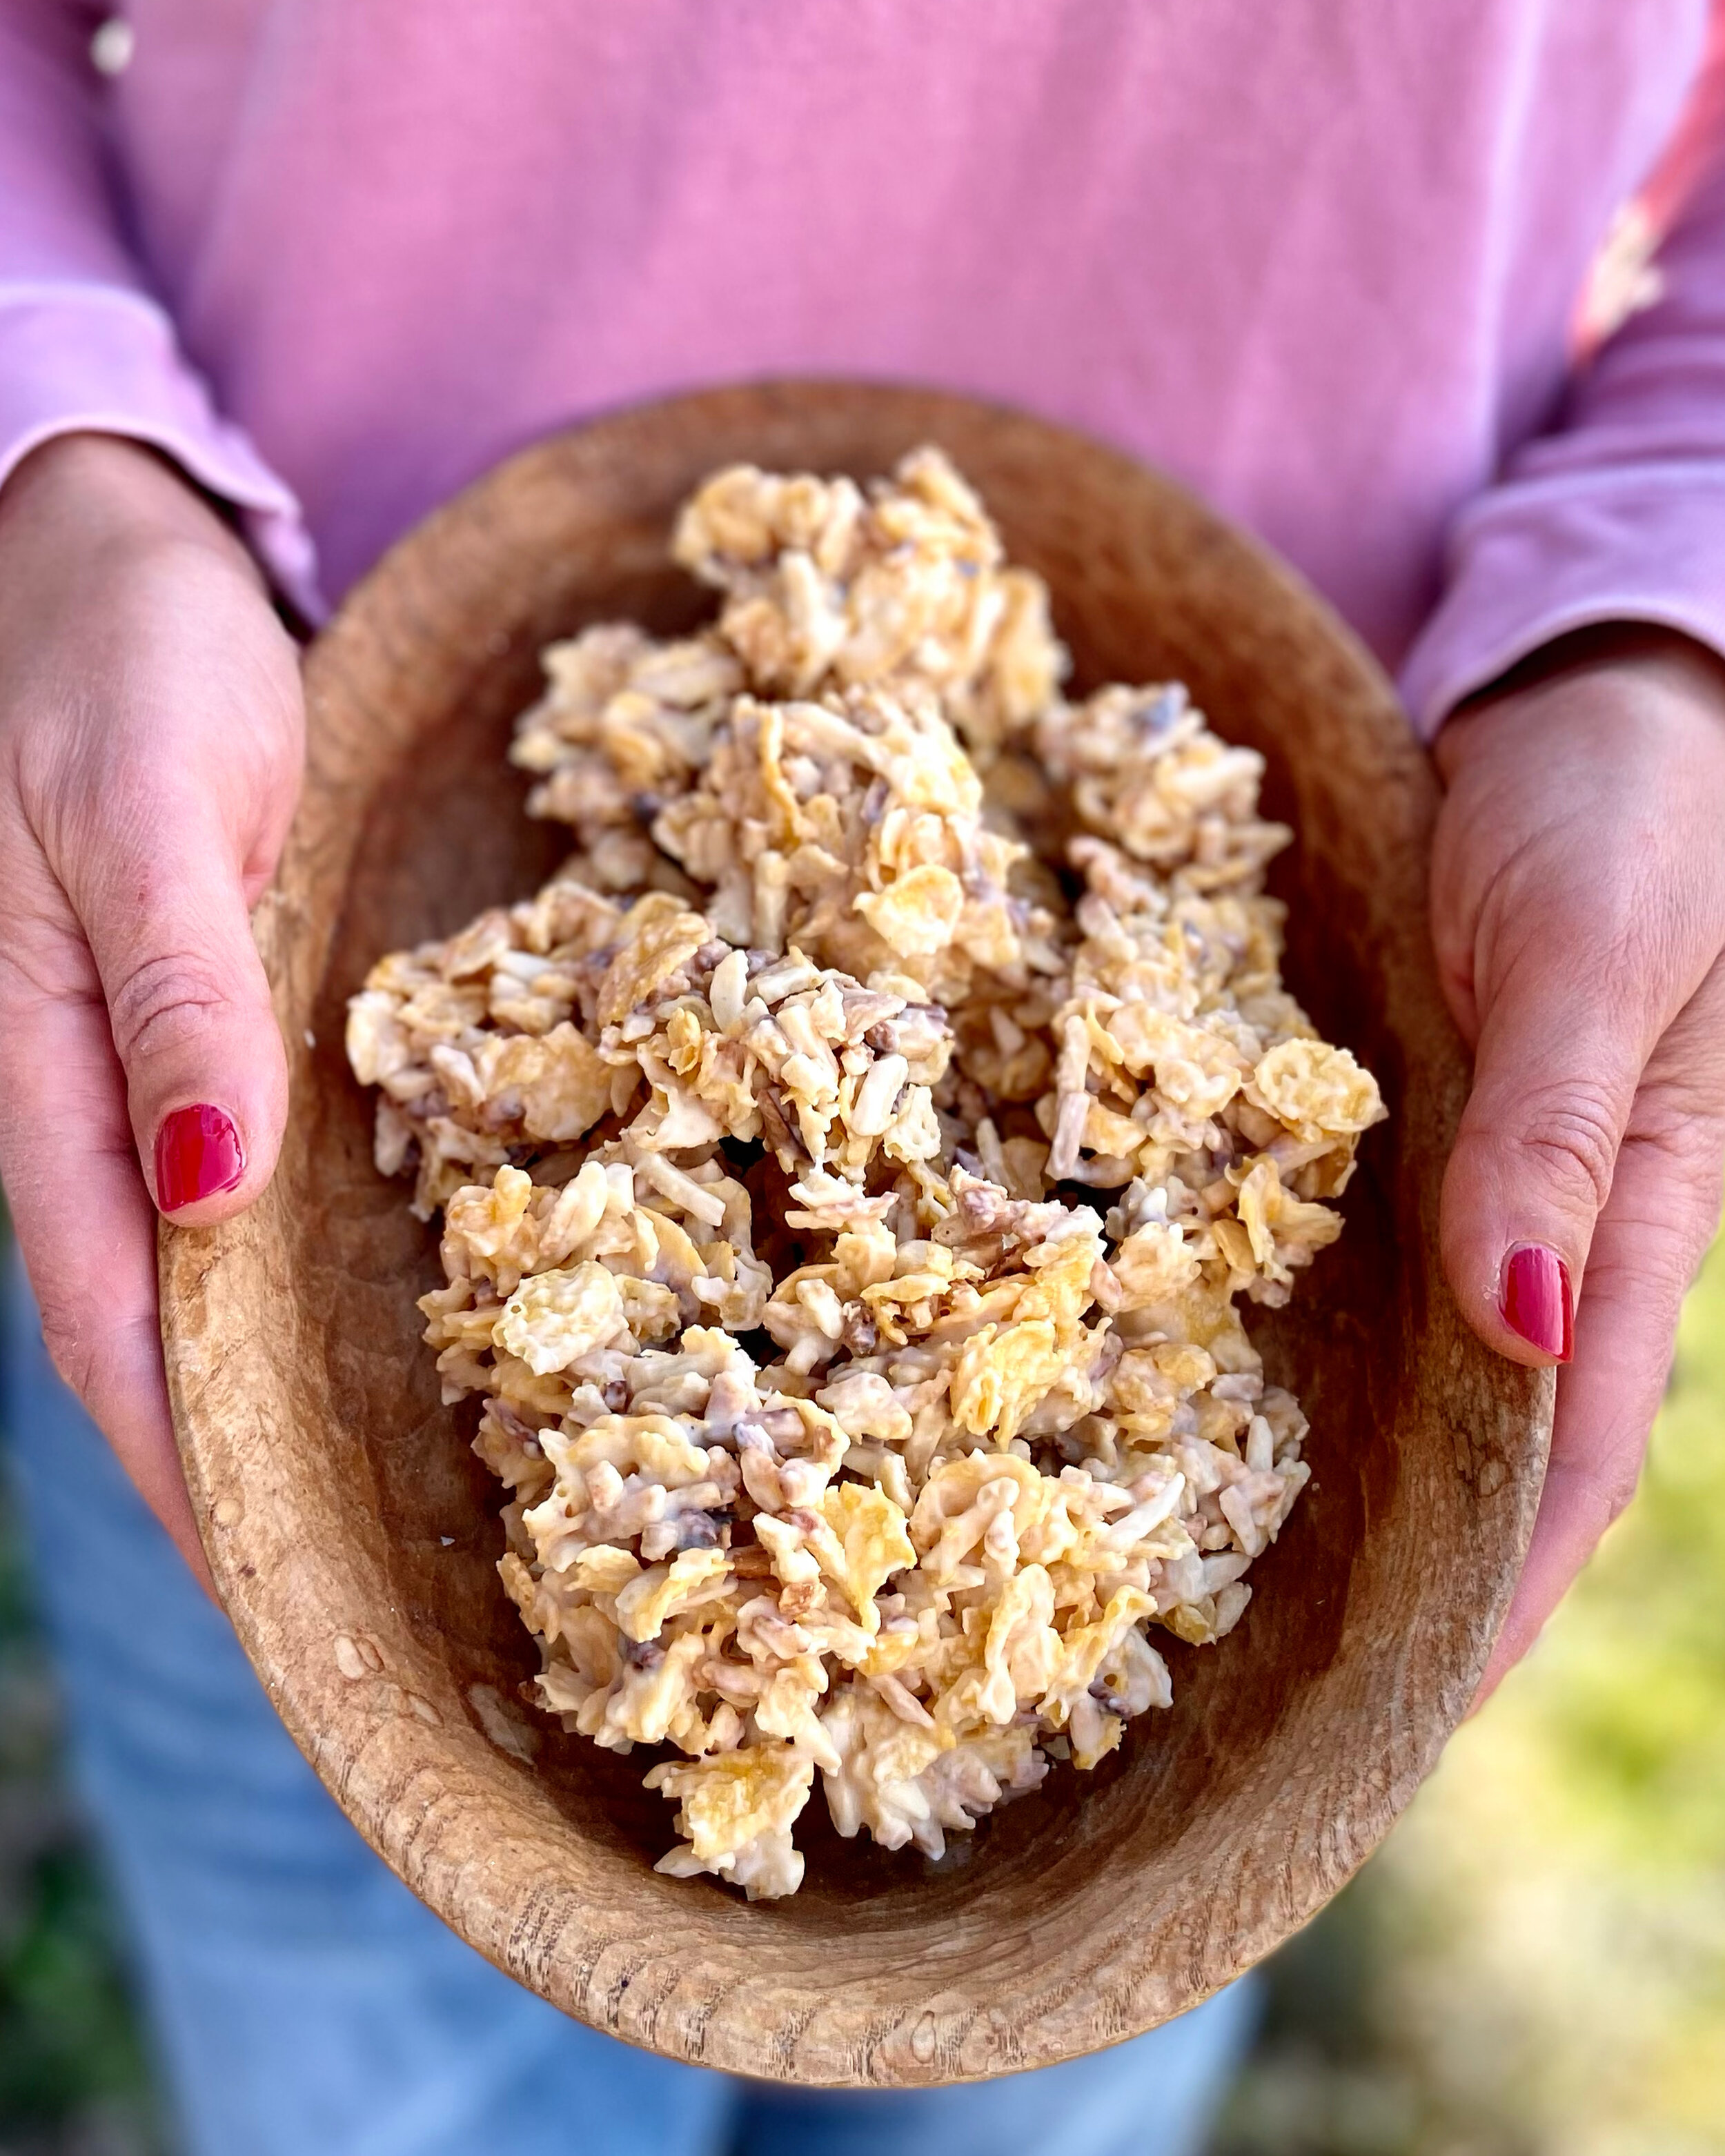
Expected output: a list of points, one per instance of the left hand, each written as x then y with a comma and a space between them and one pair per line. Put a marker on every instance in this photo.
1578, 915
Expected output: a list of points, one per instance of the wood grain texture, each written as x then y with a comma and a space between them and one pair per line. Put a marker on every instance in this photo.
329, 1479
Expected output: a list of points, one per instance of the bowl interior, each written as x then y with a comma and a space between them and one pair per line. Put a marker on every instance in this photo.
355, 1537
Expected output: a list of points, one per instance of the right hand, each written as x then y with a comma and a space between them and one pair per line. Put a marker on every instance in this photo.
151, 730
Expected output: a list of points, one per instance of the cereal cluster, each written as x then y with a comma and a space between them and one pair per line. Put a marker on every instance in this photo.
850, 1167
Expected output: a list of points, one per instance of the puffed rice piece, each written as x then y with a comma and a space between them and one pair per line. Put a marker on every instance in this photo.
623, 726
482, 1045
1145, 770
854, 829
828, 586
1183, 1066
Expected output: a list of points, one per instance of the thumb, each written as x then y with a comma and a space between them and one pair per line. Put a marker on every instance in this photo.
1558, 1061
190, 1013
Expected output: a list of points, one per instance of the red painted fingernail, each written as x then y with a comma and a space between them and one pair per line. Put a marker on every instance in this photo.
1536, 1299
197, 1153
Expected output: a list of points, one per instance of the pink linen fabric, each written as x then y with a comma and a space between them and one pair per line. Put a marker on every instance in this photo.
1320, 259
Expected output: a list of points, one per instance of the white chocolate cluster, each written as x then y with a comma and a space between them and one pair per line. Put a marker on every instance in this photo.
850, 1166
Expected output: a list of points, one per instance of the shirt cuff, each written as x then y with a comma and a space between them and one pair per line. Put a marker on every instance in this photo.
98, 359
1532, 560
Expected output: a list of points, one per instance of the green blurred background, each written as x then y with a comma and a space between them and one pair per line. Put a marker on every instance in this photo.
1533, 1965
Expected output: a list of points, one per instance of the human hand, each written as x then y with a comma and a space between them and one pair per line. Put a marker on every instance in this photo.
151, 739
1578, 914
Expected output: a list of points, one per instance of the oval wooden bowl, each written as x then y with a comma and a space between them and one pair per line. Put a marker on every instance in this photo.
354, 1536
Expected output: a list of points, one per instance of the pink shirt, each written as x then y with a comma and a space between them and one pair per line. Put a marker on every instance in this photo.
1321, 259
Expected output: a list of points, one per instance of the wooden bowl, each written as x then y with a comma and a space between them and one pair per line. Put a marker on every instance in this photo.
354, 1536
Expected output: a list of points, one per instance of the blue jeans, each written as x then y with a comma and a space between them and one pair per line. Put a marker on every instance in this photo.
306, 2005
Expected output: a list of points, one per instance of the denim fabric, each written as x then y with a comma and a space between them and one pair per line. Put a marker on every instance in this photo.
306, 2005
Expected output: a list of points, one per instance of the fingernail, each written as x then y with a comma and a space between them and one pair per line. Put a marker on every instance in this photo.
1538, 1303
197, 1153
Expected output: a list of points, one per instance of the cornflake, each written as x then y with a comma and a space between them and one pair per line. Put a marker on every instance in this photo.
847, 1202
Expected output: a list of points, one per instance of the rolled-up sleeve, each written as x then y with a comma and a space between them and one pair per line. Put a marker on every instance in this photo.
85, 345
1619, 514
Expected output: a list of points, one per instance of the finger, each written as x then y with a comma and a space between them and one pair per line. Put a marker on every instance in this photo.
163, 905
1561, 1052
1650, 1239
85, 1225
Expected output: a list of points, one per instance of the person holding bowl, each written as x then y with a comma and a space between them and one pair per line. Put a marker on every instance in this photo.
275, 280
